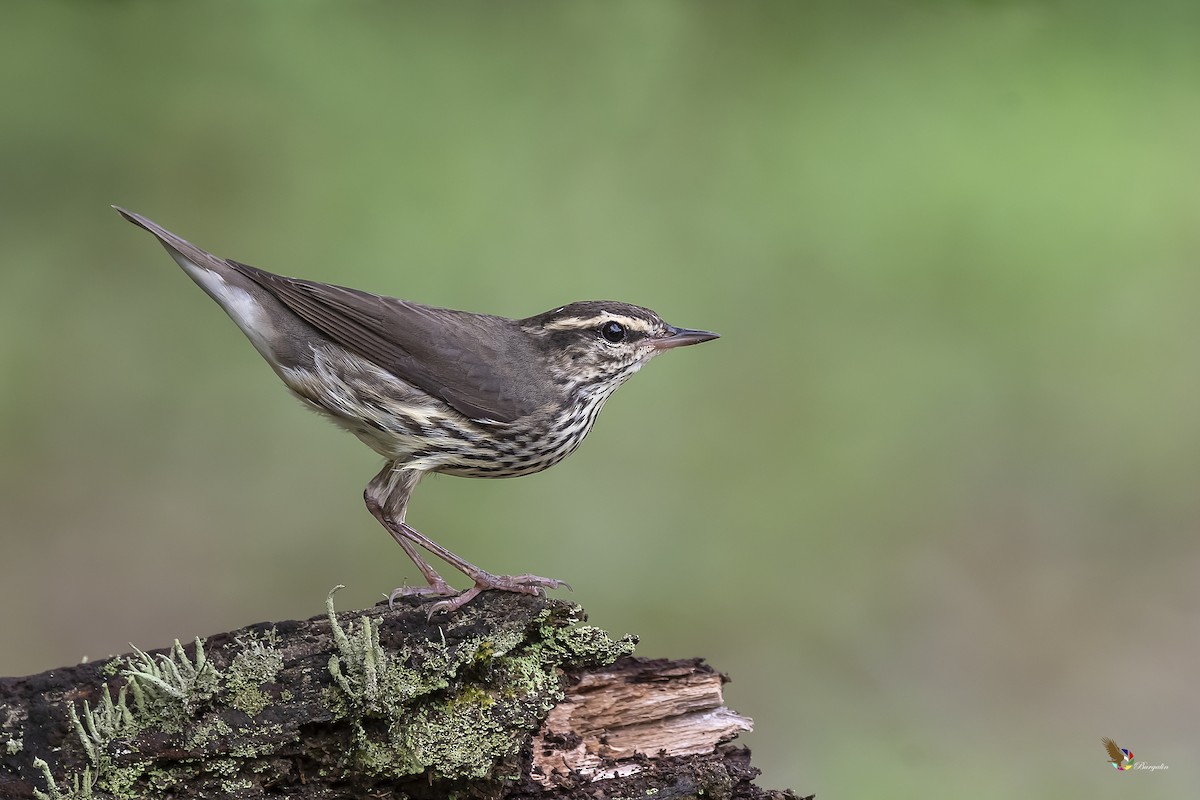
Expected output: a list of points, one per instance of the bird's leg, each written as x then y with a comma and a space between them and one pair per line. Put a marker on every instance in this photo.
522, 584
387, 498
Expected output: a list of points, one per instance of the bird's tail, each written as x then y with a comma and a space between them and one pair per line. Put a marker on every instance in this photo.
249, 305
179, 247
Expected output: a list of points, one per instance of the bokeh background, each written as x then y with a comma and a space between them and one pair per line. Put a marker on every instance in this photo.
931, 501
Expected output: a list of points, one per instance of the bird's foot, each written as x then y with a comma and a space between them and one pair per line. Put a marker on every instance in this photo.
438, 589
521, 584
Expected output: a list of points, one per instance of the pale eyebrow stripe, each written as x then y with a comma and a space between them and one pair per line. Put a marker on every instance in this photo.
572, 323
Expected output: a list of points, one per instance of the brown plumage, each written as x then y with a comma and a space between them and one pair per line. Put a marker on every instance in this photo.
433, 389
459, 357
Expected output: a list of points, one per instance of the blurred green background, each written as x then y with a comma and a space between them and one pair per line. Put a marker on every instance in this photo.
931, 501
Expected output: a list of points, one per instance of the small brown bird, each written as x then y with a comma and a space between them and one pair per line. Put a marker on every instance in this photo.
432, 389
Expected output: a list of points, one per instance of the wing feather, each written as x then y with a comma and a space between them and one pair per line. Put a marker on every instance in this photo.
471, 361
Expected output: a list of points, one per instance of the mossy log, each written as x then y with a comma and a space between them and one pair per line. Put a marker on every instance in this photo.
511, 697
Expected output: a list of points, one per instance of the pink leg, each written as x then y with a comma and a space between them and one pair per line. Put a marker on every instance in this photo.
387, 499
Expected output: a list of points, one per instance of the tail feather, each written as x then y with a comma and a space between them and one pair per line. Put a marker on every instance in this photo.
249, 305
178, 246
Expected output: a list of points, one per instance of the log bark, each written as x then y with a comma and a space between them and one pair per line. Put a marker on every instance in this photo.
511, 697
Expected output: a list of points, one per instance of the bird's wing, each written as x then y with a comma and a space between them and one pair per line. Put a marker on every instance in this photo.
463, 359
1114, 752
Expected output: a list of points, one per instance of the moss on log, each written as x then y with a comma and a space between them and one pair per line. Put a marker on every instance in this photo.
512, 696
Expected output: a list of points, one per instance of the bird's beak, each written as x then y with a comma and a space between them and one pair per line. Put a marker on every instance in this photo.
678, 337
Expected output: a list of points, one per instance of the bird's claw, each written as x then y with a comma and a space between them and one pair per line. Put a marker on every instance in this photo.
521, 584
439, 589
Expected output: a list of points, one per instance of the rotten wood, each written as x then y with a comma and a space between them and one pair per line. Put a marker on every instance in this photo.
512, 697
635, 707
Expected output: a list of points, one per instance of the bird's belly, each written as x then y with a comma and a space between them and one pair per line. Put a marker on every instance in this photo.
516, 453
430, 439
406, 425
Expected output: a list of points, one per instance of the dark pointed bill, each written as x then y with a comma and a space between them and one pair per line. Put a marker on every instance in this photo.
678, 337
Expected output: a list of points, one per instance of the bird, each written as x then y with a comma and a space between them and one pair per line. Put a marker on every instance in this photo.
1119, 757
434, 389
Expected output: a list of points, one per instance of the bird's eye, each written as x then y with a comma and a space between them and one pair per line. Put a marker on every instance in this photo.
613, 332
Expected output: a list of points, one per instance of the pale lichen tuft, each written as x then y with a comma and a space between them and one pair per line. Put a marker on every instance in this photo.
257, 663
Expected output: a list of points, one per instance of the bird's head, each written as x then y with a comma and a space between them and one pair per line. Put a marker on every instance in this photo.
596, 345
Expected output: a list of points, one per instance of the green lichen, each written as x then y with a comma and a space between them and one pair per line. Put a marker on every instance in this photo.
456, 706
258, 663
14, 746
586, 645
166, 691
456, 713
464, 735
372, 680
80, 789
172, 686
269, 734
122, 781
200, 736
95, 728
